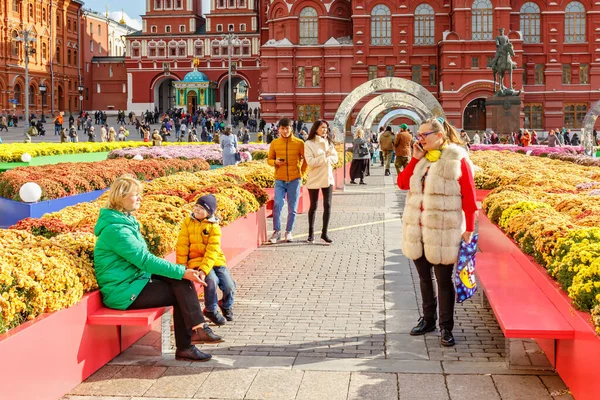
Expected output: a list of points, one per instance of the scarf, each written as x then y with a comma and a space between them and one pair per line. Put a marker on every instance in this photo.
434, 155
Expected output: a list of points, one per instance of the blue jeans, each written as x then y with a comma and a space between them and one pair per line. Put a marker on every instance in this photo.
292, 188
221, 278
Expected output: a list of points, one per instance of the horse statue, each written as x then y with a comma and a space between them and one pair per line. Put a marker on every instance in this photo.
504, 64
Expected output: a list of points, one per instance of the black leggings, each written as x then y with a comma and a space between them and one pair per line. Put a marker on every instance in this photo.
314, 199
162, 291
446, 292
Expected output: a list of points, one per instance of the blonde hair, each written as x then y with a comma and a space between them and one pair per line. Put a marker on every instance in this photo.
111, 129
121, 187
360, 133
439, 124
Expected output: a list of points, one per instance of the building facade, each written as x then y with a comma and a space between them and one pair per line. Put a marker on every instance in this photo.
315, 52
55, 63
103, 62
176, 38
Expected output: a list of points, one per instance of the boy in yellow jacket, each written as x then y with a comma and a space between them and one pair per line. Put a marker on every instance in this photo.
199, 247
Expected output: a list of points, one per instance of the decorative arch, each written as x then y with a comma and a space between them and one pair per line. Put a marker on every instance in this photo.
277, 10
392, 115
388, 100
239, 74
158, 79
340, 9
383, 107
587, 128
382, 84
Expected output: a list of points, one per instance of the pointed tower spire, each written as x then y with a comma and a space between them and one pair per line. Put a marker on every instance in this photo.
107, 11
122, 21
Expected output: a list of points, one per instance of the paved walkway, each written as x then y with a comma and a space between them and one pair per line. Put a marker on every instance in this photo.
320, 322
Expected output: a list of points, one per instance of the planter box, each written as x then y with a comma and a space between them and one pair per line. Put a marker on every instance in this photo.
12, 211
576, 359
61, 158
47, 357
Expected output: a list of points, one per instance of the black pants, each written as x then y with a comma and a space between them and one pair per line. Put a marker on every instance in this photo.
357, 169
162, 291
445, 289
314, 199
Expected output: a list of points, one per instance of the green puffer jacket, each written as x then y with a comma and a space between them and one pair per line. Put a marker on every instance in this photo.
122, 261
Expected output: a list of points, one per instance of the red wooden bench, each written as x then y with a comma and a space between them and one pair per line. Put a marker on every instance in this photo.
520, 304
129, 323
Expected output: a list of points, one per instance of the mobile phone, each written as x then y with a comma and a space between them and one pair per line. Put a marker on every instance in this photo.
420, 146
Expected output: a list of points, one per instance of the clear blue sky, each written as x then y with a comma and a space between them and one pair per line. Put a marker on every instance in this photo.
133, 8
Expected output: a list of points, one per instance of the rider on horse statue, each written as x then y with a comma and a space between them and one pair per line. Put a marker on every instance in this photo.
503, 63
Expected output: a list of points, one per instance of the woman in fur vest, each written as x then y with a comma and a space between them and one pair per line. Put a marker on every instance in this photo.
440, 211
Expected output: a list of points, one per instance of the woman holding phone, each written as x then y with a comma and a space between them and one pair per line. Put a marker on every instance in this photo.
320, 154
440, 211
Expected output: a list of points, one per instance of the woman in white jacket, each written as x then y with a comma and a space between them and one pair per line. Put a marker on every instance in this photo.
320, 155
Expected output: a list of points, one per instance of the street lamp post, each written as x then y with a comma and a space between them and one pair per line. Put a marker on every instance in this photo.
80, 89
43, 89
228, 40
27, 37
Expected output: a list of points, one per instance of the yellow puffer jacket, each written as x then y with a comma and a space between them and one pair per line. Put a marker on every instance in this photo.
199, 245
291, 149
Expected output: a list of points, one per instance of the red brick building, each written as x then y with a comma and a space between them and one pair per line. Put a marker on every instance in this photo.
103, 62
315, 52
174, 34
55, 63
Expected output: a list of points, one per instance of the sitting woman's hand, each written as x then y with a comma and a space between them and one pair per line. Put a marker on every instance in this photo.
195, 276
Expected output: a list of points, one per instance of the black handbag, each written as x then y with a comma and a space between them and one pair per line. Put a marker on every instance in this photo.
238, 156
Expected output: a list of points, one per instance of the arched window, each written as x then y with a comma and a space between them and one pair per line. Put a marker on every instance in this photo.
198, 48
44, 51
530, 22
309, 26
152, 49
75, 57
246, 47
575, 23
482, 20
181, 49
381, 26
158, 4
215, 48
68, 57
424, 24
31, 94
15, 45
162, 48
44, 14
58, 54
135, 49
18, 92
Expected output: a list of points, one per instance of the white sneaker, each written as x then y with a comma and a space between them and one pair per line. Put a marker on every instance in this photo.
275, 237
288, 237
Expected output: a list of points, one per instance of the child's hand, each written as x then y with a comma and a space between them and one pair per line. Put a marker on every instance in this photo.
194, 276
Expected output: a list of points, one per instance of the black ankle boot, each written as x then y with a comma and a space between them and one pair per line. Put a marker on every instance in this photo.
311, 237
423, 326
326, 239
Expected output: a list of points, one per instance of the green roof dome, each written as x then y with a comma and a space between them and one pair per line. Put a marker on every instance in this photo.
195, 76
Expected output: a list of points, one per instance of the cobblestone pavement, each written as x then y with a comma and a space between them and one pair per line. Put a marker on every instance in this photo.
332, 322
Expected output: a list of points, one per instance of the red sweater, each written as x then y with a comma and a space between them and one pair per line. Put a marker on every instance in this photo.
467, 189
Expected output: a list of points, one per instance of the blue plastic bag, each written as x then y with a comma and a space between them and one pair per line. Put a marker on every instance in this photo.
464, 277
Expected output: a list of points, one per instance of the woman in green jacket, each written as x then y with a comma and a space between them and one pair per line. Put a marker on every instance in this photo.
132, 278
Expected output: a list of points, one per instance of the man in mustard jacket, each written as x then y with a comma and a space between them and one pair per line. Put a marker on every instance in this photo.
286, 154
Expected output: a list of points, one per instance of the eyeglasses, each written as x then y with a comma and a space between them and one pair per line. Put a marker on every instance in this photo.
424, 135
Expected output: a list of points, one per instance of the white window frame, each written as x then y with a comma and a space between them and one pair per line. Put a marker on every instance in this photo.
381, 26
168, 29
530, 17
219, 27
242, 27
182, 28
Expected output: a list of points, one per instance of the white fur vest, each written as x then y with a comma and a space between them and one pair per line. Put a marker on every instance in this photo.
437, 229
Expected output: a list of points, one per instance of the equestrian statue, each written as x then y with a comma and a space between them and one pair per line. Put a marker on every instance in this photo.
503, 63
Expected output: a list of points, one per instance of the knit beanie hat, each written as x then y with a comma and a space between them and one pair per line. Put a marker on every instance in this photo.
209, 203
404, 127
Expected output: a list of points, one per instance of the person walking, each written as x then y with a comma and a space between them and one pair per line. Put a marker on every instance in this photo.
402, 145
320, 154
229, 147
440, 211
286, 154
360, 157
386, 145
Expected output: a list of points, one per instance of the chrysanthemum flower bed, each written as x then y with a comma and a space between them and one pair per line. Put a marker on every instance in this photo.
12, 152
552, 210
46, 264
68, 179
211, 153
